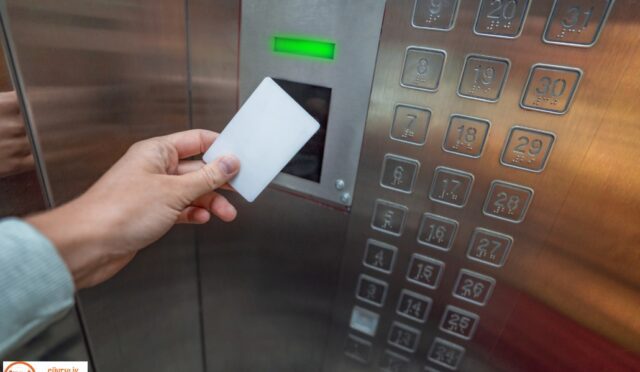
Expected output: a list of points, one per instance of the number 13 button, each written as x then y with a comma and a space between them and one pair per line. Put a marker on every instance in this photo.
507, 201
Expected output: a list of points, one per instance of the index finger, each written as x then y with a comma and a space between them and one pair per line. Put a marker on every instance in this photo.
191, 142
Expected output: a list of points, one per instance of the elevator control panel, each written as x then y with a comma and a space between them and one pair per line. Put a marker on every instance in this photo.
437, 212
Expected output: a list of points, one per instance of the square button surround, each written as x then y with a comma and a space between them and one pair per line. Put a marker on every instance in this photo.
420, 116
405, 293
465, 335
444, 222
524, 11
389, 250
354, 342
391, 361
359, 319
458, 352
432, 284
452, 9
395, 177
378, 283
457, 144
547, 99
515, 157
504, 202
421, 60
486, 292
388, 223
554, 18
415, 332
472, 81
505, 247
449, 198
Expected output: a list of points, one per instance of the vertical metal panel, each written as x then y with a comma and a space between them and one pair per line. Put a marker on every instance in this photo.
97, 77
572, 267
268, 279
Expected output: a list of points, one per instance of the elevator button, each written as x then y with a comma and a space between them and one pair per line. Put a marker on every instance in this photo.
550, 88
527, 149
410, 124
473, 287
414, 306
576, 22
423, 69
399, 173
483, 78
437, 231
445, 353
451, 187
364, 321
357, 348
371, 290
404, 337
393, 362
425, 271
379, 256
435, 14
489, 247
388, 217
459, 322
507, 201
501, 18
466, 136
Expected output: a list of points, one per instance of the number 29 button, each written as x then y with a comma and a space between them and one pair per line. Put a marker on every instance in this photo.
527, 149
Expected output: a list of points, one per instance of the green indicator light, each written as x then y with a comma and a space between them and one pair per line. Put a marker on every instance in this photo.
304, 47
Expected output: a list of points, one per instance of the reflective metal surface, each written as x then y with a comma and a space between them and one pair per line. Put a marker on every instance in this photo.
572, 258
98, 76
354, 27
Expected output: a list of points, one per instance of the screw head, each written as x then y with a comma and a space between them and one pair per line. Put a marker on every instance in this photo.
345, 198
340, 184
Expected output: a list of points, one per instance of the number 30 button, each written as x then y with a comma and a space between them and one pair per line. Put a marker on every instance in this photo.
550, 88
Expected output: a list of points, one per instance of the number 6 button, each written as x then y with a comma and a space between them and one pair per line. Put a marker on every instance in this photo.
507, 201
550, 88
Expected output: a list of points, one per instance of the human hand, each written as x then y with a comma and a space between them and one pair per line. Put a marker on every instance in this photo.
136, 202
15, 150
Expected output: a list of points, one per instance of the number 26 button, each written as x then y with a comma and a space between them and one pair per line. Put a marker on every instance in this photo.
507, 201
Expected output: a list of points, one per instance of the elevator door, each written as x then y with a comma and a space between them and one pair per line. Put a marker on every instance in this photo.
494, 197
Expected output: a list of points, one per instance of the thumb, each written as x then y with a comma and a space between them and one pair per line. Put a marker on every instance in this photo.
210, 177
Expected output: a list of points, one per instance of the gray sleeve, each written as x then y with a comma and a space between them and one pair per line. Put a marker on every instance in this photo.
36, 286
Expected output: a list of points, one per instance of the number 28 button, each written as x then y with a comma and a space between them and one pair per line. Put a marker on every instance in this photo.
507, 201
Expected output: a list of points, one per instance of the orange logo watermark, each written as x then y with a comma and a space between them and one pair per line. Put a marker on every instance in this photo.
19, 367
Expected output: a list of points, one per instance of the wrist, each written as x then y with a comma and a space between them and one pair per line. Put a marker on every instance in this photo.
75, 235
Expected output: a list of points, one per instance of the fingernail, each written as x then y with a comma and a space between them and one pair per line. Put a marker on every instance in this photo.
229, 164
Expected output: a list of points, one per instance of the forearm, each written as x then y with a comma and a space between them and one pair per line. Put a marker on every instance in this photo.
36, 286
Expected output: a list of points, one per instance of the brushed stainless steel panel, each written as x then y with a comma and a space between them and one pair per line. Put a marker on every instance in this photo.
268, 283
98, 76
354, 25
573, 258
